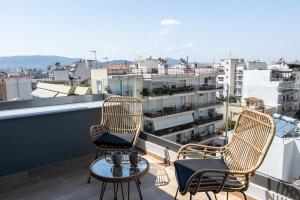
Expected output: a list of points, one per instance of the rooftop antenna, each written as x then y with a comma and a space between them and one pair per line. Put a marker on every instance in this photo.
229, 53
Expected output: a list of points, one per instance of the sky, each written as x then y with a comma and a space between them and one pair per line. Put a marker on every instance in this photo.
125, 29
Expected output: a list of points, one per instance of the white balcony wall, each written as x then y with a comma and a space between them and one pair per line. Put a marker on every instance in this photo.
257, 84
171, 121
18, 87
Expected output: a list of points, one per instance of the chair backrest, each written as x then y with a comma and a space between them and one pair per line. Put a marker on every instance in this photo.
252, 136
122, 114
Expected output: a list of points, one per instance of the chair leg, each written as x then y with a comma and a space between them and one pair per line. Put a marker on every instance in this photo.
227, 196
96, 156
190, 196
245, 196
176, 194
215, 196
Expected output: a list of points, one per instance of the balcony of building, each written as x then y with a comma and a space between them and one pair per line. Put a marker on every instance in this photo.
172, 111
45, 154
162, 73
286, 99
175, 91
188, 124
282, 76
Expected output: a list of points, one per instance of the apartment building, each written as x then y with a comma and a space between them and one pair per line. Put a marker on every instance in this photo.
100, 77
275, 87
230, 72
179, 103
15, 87
80, 72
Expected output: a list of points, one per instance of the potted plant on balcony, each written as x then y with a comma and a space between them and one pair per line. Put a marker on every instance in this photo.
145, 92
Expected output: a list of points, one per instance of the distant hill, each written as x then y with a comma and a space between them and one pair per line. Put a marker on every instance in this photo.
35, 61
42, 62
171, 62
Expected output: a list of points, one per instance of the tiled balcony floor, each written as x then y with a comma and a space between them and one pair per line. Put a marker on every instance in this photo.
67, 180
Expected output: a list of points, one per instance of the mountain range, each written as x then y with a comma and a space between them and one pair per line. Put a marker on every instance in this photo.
42, 62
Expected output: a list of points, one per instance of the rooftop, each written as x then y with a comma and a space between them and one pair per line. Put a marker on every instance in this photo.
253, 99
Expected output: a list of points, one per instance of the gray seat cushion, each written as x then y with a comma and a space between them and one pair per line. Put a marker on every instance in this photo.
184, 169
115, 140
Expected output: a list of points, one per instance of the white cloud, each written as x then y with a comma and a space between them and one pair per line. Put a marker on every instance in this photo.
168, 26
170, 22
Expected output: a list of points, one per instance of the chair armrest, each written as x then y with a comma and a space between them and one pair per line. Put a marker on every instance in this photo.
200, 151
95, 131
217, 180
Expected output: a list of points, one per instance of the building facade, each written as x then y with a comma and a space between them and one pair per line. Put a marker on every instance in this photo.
230, 73
179, 104
275, 87
15, 88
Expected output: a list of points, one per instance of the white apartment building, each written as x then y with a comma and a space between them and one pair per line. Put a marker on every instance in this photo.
81, 70
275, 87
179, 104
15, 88
230, 72
61, 75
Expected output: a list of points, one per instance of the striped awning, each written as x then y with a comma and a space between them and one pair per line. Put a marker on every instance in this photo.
41, 93
168, 122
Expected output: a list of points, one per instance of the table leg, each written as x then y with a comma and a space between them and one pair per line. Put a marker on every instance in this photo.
138, 183
102, 190
116, 191
122, 191
128, 189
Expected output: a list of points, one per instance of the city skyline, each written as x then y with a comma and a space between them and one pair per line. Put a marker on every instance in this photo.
204, 31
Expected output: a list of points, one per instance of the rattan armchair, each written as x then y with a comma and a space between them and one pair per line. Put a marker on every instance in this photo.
200, 168
121, 121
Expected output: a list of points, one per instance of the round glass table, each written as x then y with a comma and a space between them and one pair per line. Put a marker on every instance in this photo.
103, 169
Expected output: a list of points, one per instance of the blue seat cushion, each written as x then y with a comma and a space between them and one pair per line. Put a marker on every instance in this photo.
184, 169
115, 140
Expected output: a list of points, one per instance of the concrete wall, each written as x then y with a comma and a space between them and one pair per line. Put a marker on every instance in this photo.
276, 152
18, 87
256, 83
61, 75
30, 142
98, 80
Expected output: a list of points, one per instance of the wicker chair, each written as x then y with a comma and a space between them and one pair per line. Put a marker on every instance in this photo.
120, 125
200, 168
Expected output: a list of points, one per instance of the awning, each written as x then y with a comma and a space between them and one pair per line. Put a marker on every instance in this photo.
168, 122
61, 95
43, 93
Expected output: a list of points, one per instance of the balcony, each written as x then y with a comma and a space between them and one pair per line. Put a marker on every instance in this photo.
166, 111
185, 127
166, 92
208, 87
209, 119
286, 101
53, 161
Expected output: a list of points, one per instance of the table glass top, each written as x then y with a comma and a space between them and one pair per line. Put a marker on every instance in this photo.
103, 167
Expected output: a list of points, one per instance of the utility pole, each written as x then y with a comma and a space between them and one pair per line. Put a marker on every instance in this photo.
226, 114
